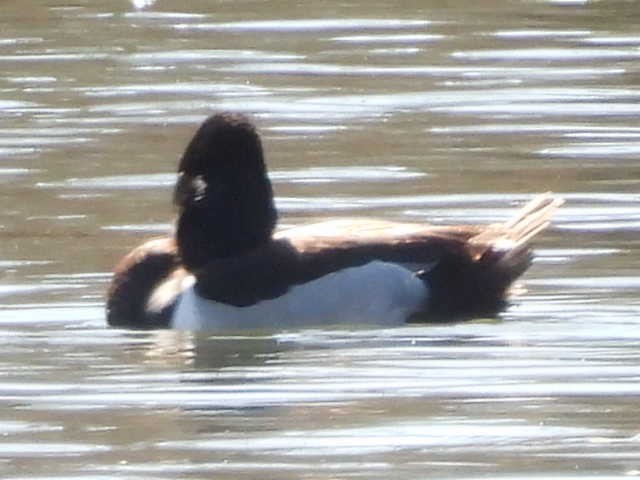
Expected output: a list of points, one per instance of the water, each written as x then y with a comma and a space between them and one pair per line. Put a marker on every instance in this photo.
442, 112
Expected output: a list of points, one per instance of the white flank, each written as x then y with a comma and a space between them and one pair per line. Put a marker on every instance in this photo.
377, 293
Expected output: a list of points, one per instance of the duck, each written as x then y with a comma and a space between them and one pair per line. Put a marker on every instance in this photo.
227, 266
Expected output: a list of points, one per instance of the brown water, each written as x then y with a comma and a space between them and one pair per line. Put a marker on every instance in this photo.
437, 111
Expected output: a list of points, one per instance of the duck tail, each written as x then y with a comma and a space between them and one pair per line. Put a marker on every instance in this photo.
476, 284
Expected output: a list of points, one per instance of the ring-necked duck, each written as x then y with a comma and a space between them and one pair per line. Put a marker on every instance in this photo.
226, 268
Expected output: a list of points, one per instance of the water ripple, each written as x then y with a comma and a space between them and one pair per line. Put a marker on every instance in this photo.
366, 441
389, 38
211, 55
325, 24
549, 54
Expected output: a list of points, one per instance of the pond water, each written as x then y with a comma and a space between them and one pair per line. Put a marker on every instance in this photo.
448, 112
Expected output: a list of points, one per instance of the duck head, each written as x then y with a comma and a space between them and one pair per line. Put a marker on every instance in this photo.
223, 194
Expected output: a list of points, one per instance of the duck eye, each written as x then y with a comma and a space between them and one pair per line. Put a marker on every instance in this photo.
199, 186
189, 189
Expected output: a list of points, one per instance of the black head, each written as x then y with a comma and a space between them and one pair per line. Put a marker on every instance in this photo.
223, 194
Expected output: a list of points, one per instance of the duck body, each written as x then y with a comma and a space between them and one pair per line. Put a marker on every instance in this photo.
378, 293
227, 268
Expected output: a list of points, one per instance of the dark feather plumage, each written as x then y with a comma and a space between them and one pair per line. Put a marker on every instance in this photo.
224, 238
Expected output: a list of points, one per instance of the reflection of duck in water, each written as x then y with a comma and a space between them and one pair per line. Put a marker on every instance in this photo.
226, 268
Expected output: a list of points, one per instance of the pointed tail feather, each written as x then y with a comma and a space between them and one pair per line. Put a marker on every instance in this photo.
527, 223
498, 255
532, 218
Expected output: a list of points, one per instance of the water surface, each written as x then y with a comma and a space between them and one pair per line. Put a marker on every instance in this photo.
429, 112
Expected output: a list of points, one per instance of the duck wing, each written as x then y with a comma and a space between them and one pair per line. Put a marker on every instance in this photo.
460, 264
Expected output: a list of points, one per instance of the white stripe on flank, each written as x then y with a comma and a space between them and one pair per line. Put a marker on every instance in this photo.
378, 293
